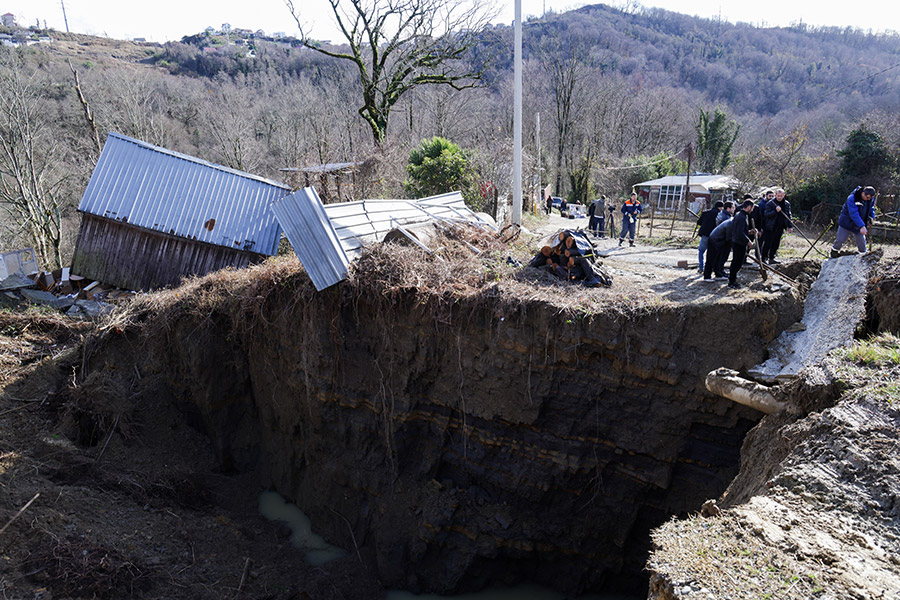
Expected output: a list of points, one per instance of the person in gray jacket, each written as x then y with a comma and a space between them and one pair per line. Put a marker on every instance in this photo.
597, 213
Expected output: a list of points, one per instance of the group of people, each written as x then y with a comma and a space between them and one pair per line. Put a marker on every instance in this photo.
726, 228
568, 261
602, 210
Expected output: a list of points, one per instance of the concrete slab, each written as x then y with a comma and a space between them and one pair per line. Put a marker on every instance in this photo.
39, 297
834, 308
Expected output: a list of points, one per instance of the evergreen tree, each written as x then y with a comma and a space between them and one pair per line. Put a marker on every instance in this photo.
438, 166
865, 157
715, 139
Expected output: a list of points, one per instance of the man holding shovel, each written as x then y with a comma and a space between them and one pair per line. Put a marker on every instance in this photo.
857, 212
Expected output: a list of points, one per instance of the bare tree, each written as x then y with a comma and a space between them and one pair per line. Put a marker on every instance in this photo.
566, 64
398, 45
30, 178
230, 120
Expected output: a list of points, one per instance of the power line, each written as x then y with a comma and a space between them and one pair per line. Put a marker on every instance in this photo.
849, 85
649, 164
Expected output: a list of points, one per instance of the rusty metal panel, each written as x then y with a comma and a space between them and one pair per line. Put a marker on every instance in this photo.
180, 195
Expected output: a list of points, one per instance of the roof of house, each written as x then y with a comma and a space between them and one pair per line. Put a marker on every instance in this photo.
710, 182
151, 187
326, 238
325, 168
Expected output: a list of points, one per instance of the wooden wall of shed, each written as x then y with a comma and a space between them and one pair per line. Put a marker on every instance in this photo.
139, 259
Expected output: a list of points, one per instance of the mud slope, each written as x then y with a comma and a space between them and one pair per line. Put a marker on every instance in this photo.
454, 440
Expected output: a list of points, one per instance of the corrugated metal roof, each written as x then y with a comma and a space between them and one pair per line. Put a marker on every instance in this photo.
312, 236
330, 236
152, 187
326, 168
709, 182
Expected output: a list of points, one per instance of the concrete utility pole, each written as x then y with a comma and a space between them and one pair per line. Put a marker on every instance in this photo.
517, 120
65, 20
537, 139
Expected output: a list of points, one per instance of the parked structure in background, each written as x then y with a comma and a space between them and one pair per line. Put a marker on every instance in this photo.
668, 193
9, 20
151, 216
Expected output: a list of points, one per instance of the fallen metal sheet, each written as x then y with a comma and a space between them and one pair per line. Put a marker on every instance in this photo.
328, 237
311, 234
834, 307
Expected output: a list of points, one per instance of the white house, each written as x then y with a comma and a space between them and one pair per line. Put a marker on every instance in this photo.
9, 20
667, 193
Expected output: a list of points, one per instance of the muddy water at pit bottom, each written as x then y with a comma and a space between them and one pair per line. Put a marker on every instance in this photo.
318, 552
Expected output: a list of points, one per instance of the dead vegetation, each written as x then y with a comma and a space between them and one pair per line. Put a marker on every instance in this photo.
84, 570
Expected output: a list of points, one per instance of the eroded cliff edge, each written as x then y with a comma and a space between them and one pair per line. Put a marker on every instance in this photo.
815, 509
456, 439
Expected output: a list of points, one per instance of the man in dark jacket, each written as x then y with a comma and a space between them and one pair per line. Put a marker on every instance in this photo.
719, 247
777, 219
742, 236
707, 222
856, 214
597, 213
759, 215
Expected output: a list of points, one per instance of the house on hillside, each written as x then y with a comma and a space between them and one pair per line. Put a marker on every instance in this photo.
9, 20
667, 193
151, 216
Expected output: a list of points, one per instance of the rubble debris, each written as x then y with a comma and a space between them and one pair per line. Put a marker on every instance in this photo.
46, 298
89, 308
16, 281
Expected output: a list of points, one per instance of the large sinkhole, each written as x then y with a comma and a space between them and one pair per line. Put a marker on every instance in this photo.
452, 445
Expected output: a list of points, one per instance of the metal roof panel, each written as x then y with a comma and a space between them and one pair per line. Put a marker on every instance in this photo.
158, 189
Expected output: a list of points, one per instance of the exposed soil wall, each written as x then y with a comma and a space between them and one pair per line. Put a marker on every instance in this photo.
456, 442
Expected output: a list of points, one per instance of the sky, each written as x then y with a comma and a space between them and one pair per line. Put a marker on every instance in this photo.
164, 20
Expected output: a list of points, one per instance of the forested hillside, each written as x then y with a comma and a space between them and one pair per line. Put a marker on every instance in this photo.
619, 93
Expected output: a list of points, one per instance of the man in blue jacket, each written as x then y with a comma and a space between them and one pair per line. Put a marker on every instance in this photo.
630, 211
857, 212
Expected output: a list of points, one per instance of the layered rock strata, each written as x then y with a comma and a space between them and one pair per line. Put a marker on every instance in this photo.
451, 445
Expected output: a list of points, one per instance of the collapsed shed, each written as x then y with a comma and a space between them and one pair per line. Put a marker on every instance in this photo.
151, 216
328, 237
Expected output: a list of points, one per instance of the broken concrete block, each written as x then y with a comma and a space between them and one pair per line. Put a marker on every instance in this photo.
93, 308
46, 298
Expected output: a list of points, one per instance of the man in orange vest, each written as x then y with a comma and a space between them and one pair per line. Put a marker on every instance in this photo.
630, 211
